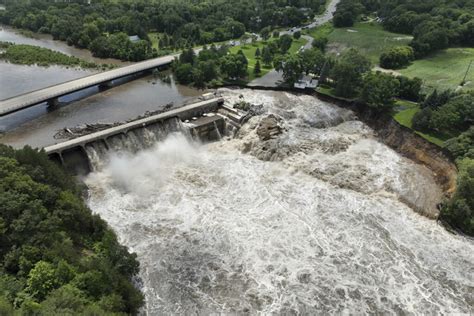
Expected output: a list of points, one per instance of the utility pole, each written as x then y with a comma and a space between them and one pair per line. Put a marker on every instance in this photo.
465, 76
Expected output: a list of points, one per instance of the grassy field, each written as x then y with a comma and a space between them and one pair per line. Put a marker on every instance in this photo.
250, 49
369, 38
444, 70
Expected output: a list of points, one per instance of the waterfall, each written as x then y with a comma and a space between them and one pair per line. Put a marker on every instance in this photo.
133, 141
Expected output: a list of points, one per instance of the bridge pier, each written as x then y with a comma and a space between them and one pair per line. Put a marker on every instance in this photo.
106, 85
53, 103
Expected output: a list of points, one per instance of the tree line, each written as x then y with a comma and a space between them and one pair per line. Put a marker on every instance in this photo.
104, 26
434, 24
56, 257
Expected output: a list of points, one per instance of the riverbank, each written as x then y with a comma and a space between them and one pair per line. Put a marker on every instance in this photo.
398, 137
23, 54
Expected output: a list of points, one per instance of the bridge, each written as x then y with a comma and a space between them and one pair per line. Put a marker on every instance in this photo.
53, 93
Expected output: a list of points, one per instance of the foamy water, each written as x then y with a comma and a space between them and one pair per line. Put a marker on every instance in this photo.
315, 221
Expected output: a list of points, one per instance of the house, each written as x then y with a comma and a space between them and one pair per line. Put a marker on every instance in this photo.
306, 82
134, 38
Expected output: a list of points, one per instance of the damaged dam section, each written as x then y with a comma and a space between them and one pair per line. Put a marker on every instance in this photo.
204, 121
299, 208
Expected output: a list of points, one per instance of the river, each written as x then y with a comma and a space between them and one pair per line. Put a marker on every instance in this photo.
319, 220
37, 126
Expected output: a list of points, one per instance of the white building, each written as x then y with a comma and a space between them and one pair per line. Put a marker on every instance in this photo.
306, 82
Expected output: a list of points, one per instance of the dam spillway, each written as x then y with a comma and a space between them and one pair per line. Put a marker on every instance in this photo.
206, 120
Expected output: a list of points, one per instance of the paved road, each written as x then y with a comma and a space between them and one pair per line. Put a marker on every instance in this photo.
274, 78
35, 97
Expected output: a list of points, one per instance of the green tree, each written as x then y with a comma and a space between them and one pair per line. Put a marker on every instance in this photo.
292, 69
397, 57
267, 56
257, 53
321, 43
265, 33
312, 60
284, 43
379, 90
257, 70
42, 280
184, 73
348, 73
459, 211
297, 35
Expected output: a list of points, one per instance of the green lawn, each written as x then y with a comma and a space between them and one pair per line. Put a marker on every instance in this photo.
403, 114
444, 70
250, 49
369, 38
321, 31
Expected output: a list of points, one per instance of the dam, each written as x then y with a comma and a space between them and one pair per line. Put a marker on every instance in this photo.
206, 120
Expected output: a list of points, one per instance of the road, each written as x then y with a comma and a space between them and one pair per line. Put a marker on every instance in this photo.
274, 78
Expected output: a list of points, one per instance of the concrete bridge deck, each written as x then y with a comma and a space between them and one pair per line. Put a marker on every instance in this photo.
26, 100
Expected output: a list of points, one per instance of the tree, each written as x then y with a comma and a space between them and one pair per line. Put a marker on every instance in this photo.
321, 43
284, 43
463, 145
379, 90
410, 89
292, 69
184, 73
188, 56
297, 35
42, 280
267, 56
348, 73
257, 70
257, 53
312, 60
276, 34
265, 33
397, 57
233, 66
459, 211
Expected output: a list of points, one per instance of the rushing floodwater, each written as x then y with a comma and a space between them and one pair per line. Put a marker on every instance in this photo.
316, 225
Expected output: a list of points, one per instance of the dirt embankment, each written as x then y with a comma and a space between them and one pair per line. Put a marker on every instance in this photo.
407, 143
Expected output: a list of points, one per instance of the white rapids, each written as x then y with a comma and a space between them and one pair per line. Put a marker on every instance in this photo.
320, 220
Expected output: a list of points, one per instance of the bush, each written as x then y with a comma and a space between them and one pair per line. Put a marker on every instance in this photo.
410, 89
459, 211
397, 57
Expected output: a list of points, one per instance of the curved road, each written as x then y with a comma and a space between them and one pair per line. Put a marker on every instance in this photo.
273, 78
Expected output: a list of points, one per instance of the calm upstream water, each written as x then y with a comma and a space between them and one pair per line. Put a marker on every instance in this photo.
8, 34
37, 126
311, 222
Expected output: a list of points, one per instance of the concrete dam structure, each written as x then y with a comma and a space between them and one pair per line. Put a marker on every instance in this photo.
206, 121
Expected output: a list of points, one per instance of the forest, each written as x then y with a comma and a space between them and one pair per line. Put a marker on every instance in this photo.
104, 26
56, 257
